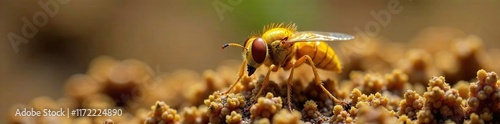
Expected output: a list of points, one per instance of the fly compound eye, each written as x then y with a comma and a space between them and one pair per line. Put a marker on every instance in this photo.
259, 50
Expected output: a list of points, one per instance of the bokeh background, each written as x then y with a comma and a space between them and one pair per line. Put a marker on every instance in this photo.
174, 34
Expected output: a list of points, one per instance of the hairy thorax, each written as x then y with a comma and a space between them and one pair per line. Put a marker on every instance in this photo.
280, 53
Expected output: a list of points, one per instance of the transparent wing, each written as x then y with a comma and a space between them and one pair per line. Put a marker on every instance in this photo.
305, 36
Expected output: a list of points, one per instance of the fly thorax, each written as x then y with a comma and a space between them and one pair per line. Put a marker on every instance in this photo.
279, 54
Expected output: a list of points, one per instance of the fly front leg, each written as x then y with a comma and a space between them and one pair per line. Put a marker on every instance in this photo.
266, 80
240, 74
317, 80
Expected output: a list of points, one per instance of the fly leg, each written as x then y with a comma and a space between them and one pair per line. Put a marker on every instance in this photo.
263, 84
266, 80
317, 80
291, 66
240, 75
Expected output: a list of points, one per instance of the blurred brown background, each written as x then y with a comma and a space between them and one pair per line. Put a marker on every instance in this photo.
177, 34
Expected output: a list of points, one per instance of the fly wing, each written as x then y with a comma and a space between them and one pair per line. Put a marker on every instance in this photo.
305, 36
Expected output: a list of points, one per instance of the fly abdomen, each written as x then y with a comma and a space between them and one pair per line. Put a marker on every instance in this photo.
321, 54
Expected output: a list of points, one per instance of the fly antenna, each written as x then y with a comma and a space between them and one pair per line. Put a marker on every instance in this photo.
232, 44
236, 45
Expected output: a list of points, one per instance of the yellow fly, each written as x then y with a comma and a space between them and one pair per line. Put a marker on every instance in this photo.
282, 46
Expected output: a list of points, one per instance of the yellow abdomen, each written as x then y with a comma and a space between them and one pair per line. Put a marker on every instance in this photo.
321, 54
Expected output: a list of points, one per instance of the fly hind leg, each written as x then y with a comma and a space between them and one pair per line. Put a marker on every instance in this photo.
317, 80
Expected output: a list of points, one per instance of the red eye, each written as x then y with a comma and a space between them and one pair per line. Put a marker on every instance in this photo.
259, 50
